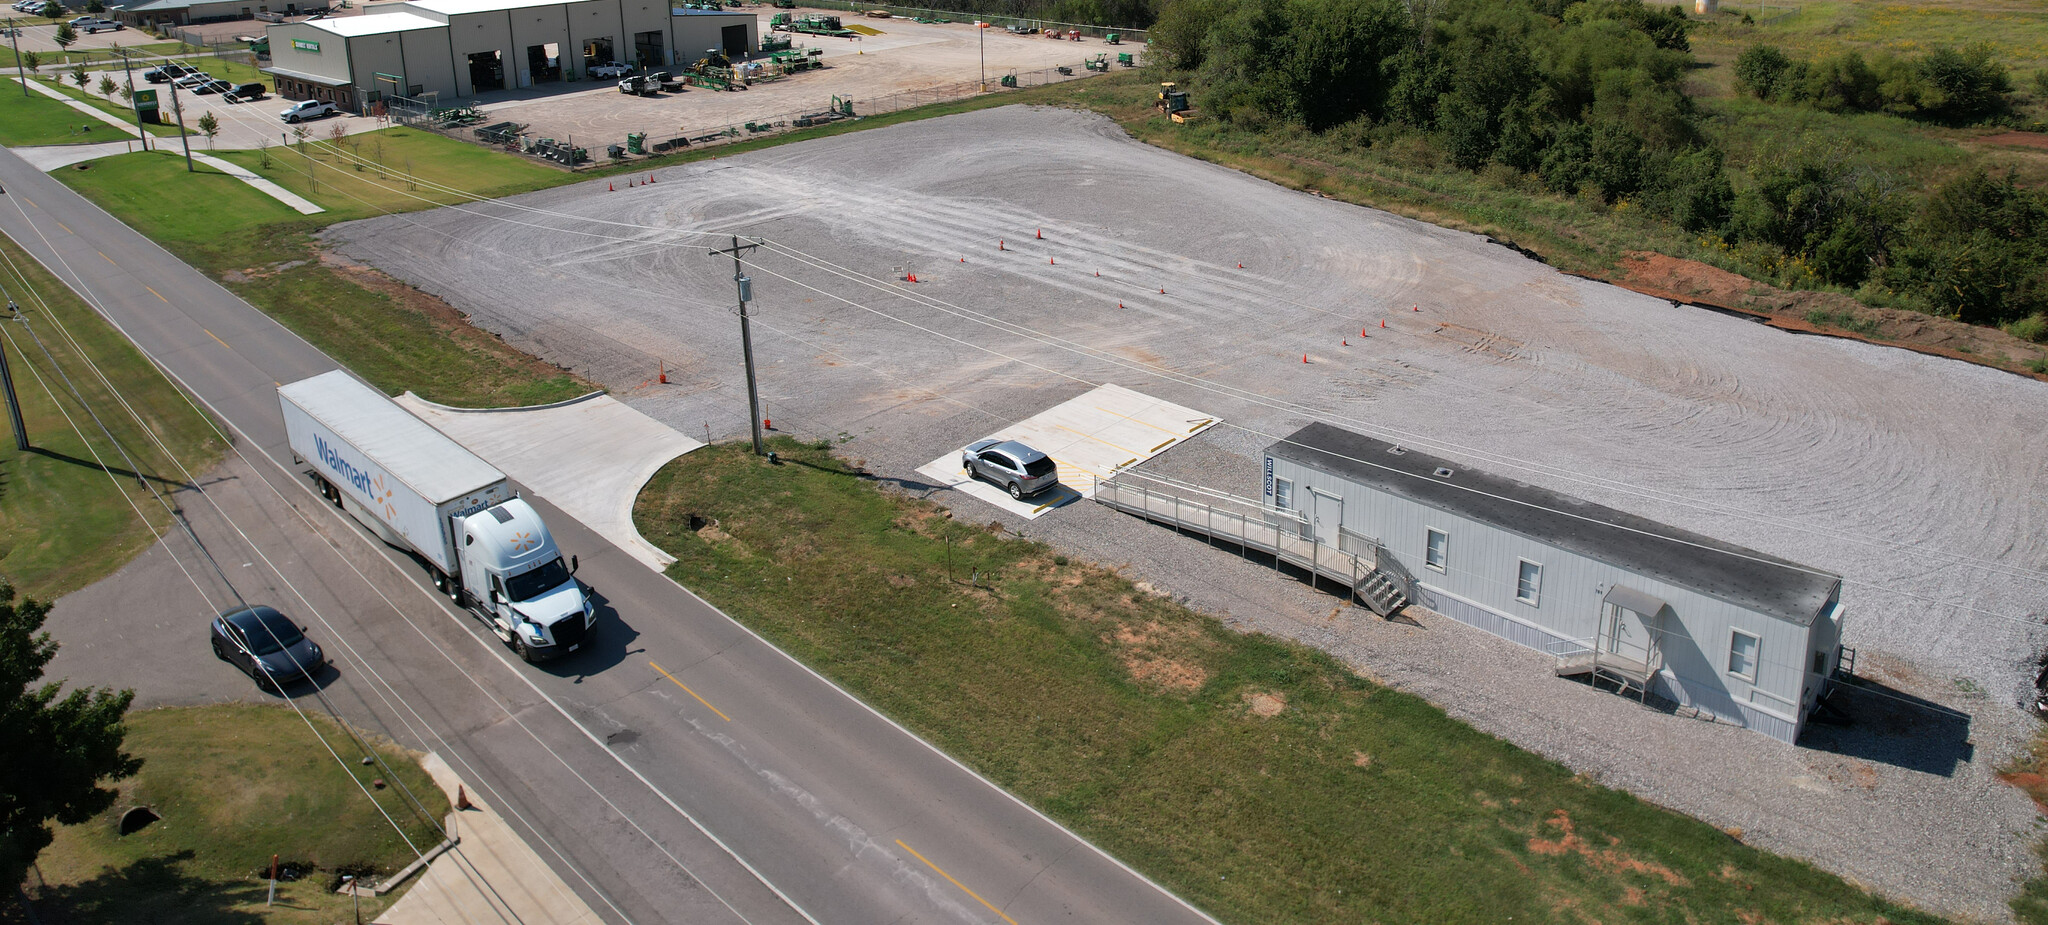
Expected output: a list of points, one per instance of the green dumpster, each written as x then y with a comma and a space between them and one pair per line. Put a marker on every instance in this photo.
636, 142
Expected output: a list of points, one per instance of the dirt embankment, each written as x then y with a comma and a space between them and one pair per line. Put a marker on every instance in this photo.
1694, 283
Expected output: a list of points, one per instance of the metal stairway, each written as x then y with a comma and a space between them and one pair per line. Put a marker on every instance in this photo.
1359, 563
1381, 592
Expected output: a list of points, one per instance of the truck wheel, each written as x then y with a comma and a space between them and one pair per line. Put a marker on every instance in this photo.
525, 653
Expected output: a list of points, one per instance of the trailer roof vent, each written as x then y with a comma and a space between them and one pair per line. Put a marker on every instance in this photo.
1398, 450
1443, 472
504, 516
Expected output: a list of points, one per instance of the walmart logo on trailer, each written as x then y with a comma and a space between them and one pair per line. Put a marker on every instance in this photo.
342, 467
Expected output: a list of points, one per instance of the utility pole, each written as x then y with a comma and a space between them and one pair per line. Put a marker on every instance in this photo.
14, 38
129, 68
981, 29
179, 108
7, 383
745, 289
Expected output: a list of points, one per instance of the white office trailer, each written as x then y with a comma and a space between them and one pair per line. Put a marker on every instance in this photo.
456, 49
1746, 637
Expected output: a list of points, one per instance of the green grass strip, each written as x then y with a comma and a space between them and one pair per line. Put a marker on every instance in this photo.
1260, 779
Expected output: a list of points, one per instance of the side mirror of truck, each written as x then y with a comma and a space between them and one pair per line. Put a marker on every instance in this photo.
572, 565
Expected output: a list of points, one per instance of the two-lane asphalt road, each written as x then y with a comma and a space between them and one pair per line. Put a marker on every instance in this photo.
681, 749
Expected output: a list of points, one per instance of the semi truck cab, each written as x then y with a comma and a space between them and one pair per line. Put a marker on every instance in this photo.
513, 576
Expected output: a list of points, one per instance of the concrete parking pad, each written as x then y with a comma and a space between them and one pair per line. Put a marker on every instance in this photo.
589, 456
1091, 437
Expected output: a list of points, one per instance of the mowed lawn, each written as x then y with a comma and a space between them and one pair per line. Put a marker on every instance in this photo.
367, 175
264, 251
38, 120
1260, 779
65, 521
234, 785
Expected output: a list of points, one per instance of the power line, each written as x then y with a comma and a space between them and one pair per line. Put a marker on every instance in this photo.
1200, 383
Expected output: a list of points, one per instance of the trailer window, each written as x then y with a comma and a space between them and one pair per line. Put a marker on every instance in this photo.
1742, 655
529, 585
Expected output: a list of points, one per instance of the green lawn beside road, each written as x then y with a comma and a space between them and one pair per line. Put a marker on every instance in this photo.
39, 120
64, 521
234, 785
1260, 779
386, 332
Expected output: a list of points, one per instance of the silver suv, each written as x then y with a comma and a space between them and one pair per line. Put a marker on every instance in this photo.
1020, 469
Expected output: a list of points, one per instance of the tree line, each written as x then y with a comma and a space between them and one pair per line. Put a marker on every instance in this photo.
1586, 97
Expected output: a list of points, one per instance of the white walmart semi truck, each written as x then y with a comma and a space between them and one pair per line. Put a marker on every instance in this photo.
423, 492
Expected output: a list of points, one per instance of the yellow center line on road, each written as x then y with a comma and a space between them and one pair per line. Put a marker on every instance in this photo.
159, 295
108, 259
687, 690
67, 228
216, 338
949, 879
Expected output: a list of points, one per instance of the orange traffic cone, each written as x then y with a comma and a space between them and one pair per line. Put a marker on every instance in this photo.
1098, 273
963, 260
1304, 358
1119, 304
1000, 247
1162, 290
664, 372
1418, 308
1347, 343
610, 188
1041, 234
1240, 266
1383, 322
913, 277
650, 178
1052, 262
462, 798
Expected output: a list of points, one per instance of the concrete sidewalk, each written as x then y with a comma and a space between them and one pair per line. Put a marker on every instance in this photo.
589, 456
491, 875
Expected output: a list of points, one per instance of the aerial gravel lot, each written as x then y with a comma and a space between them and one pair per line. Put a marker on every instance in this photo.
1918, 479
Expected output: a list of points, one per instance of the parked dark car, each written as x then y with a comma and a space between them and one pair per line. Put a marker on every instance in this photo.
167, 72
1019, 469
266, 645
213, 86
246, 93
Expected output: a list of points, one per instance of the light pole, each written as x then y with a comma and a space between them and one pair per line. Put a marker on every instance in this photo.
745, 289
129, 69
179, 108
14, 38
981, 29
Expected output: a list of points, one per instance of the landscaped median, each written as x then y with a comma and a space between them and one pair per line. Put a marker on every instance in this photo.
1260, 779
232, 786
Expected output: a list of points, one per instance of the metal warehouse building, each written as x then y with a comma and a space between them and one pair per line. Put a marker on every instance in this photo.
460, 48
1749, 638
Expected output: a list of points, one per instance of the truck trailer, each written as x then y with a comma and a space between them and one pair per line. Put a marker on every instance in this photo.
424, 493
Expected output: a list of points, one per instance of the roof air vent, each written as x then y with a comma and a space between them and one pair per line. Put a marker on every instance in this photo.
503, 516
1443, 472
1398, 450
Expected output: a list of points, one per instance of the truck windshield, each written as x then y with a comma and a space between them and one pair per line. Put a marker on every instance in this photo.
537, 582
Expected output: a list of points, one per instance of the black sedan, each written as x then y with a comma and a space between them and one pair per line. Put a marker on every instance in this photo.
266, 645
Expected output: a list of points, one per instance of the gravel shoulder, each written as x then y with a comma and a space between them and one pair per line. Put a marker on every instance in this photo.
1915, 477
